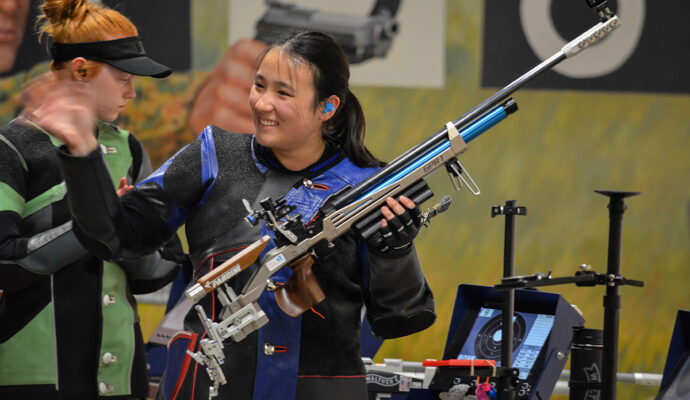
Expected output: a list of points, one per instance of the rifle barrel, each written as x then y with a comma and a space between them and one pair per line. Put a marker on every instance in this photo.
475, 129
437, 138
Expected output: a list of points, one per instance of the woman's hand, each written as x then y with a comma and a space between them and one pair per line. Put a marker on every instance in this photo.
401, 224
64, 109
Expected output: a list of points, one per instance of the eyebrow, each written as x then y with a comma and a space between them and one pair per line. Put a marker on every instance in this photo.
279, 83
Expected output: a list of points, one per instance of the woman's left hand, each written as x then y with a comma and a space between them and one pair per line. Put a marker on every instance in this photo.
401, 224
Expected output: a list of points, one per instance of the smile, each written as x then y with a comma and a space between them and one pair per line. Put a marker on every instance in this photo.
266, 122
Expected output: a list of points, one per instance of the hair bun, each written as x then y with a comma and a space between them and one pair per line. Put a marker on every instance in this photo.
59, 12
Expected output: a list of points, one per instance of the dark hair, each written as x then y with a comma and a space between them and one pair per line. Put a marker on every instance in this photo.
331, 72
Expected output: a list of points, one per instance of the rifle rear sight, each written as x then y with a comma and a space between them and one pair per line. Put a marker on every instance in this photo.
272, 212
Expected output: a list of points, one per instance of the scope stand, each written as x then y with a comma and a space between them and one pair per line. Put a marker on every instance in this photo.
506, 391
586, 277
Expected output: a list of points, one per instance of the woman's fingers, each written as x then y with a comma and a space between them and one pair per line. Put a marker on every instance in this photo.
400, 224
66, 111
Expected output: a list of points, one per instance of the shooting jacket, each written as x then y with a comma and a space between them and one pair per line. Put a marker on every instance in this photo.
318, 353
68, 321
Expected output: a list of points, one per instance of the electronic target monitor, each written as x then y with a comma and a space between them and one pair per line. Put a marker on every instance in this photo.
542, 334
530, 332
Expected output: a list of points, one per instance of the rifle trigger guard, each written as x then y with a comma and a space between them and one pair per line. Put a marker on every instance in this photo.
455, 172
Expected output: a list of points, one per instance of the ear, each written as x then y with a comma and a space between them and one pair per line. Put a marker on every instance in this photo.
328, 107
79, 69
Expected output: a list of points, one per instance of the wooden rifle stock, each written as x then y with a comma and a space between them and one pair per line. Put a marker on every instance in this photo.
233, 266
302, 291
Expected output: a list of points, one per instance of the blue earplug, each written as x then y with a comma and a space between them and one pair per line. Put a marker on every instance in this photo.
328, 107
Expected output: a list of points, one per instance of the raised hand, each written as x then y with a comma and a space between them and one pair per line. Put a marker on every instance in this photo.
34, 91
63, 108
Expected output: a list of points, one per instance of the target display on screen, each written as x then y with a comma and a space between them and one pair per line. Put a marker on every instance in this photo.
530, 332
542, 326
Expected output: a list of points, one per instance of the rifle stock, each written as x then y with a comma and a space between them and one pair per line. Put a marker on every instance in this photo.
227, 270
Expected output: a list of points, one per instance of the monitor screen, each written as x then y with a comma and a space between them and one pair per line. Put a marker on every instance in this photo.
530, 332
542, 329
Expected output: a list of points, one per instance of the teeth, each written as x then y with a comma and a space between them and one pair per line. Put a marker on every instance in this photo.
266, 122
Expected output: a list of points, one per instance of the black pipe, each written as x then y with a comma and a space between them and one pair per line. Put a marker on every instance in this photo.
612, 300
508, 297
506, 391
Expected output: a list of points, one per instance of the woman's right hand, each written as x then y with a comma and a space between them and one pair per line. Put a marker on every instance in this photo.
64, 109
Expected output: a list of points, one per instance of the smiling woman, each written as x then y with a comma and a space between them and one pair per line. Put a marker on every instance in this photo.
13, 15
285, 116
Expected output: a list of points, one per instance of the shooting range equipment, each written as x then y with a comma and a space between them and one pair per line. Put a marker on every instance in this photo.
586, 277
543, 331
586, 363
510, 210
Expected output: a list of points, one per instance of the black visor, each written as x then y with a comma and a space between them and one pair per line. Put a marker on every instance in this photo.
126, 54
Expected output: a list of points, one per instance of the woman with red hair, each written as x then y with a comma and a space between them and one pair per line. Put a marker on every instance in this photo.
68, 322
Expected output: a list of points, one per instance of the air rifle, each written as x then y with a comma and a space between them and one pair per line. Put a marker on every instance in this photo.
353, 208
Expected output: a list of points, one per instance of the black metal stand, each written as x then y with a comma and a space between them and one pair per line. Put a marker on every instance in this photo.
612, 299
510, 210
586, 277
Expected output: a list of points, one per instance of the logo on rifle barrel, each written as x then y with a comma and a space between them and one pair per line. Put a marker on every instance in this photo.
223, 277
431, 165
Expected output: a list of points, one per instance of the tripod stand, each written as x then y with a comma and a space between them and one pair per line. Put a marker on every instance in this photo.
612, 279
